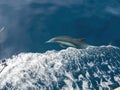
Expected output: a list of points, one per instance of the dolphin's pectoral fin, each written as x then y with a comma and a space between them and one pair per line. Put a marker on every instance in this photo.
63, 46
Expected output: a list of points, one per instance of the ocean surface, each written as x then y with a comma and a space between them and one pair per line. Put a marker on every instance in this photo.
31, 64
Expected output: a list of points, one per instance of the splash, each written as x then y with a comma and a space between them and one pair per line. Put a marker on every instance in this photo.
69, 69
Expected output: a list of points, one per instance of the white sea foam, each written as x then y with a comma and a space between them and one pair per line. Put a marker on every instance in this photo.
68, 69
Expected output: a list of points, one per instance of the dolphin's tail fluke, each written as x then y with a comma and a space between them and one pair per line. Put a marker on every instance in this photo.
85, 45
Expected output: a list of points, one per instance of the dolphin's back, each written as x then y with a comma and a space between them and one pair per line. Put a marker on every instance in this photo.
63, 38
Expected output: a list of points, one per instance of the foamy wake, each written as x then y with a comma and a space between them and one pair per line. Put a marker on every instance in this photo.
69, 69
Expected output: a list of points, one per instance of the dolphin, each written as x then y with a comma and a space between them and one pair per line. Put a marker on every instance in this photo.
67, 41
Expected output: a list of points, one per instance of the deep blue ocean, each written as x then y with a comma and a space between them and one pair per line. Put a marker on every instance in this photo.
28, 24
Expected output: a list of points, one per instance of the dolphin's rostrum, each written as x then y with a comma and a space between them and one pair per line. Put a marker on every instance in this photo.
69, 41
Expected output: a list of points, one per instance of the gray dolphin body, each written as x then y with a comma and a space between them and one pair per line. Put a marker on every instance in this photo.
69, 41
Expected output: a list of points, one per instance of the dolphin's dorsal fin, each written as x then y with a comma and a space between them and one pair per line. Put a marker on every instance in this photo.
81, 39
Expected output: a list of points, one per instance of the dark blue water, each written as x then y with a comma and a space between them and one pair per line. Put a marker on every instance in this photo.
28, 24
